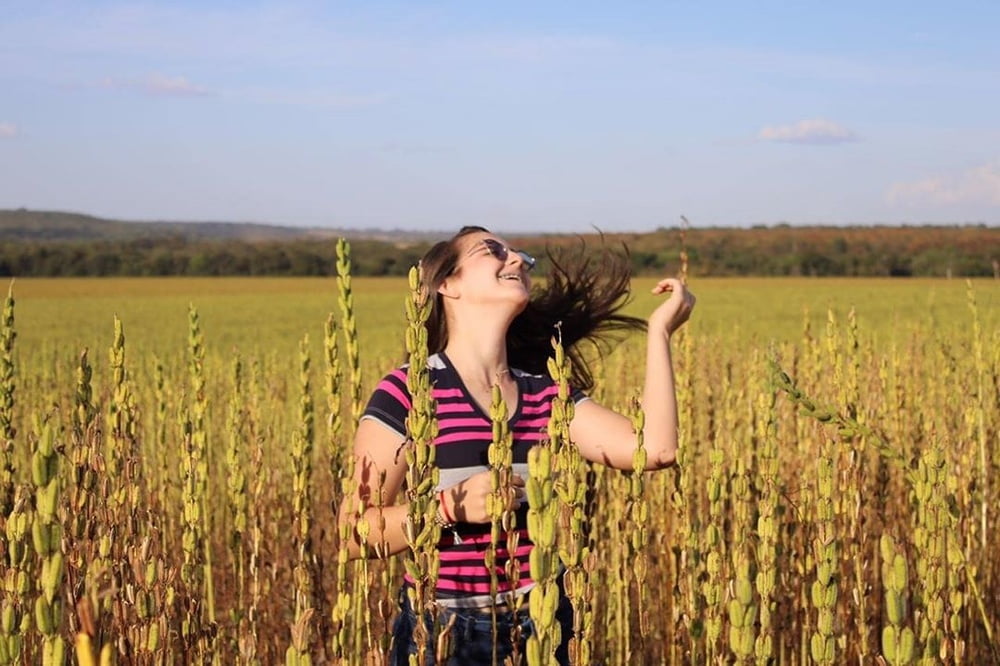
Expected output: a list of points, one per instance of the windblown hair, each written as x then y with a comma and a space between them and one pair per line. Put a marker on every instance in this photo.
582, 300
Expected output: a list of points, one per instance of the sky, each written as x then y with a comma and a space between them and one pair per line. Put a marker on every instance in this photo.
540, 116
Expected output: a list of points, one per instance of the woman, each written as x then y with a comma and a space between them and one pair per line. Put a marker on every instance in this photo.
486, 328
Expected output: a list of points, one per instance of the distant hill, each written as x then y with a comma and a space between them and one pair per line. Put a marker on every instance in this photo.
38, 243
34, 225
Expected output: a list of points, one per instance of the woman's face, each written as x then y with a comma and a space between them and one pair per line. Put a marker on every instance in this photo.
488, 269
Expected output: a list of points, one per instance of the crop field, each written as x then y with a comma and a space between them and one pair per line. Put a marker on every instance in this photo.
172, 457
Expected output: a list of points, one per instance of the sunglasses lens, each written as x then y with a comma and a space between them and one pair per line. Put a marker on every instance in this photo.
501, 252
496, 249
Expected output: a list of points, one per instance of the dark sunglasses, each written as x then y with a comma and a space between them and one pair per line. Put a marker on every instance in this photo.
502, 252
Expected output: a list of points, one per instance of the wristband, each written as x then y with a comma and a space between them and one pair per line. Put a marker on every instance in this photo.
445, 521
444, 509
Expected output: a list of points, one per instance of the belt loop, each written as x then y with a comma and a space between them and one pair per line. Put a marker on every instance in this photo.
468, 625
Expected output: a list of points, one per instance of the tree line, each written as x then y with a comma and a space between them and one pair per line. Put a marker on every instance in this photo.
971, 250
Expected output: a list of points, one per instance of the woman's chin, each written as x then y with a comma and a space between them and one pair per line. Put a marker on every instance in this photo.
522, 303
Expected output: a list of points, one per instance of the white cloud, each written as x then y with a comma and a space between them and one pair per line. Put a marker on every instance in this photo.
158, 84
813, 131
979, 186
7, 130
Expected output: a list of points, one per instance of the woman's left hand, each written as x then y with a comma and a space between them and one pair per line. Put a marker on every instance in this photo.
674, 311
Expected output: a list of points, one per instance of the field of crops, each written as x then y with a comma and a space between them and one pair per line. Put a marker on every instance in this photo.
173, 456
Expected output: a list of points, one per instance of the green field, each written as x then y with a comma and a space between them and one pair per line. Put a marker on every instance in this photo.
269, 316
896, 434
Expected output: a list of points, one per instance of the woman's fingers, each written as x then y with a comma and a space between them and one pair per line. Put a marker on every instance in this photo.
668, 284
676, 309
472, 496
677, 290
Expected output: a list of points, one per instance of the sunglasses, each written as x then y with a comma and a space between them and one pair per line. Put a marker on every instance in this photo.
502, 252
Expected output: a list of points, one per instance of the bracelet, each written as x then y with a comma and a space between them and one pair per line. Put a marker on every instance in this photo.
444, 507
446, 522
442, 518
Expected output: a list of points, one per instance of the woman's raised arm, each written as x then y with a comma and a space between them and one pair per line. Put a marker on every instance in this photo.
605, 436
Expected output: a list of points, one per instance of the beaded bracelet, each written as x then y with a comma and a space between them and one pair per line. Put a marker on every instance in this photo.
446, 521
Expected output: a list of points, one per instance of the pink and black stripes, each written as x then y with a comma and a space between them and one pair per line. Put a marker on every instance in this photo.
464, 436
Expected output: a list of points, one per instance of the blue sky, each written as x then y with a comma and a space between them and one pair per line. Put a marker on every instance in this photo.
519, 116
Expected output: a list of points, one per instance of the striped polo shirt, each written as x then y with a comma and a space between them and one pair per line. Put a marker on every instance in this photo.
462, 447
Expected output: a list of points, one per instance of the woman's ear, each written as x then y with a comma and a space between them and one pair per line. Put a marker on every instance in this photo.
448, 288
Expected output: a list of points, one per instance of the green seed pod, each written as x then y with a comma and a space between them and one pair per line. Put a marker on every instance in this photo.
551, 601
735, 639
536, 601
540, 559
887, 548
52, 572
744, 591
46, 442
153, 638
151, 573
899, 577
8, 618
894, 606
534, 651
534, 491
817, 594
40, 538
889, 644
825, 624
15, 550
43, 616
543, 461
426, 484
907, 643
751, 617
817, 648
48, 500
58, 651
766, 579
824, 571
39, 469
736, 613
831, 596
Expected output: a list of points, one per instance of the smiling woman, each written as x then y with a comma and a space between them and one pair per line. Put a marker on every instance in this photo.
489, 334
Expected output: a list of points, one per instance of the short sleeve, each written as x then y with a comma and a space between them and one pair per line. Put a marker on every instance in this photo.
390, 402
577, 396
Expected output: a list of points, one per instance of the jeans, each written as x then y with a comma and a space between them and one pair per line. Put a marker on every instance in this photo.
471, 635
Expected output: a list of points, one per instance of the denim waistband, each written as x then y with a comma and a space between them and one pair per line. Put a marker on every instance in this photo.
472, 620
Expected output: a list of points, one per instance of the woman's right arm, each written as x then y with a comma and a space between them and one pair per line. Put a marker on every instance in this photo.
378, 451
379, 468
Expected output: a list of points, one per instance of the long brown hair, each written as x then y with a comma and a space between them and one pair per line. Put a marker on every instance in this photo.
582, 300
